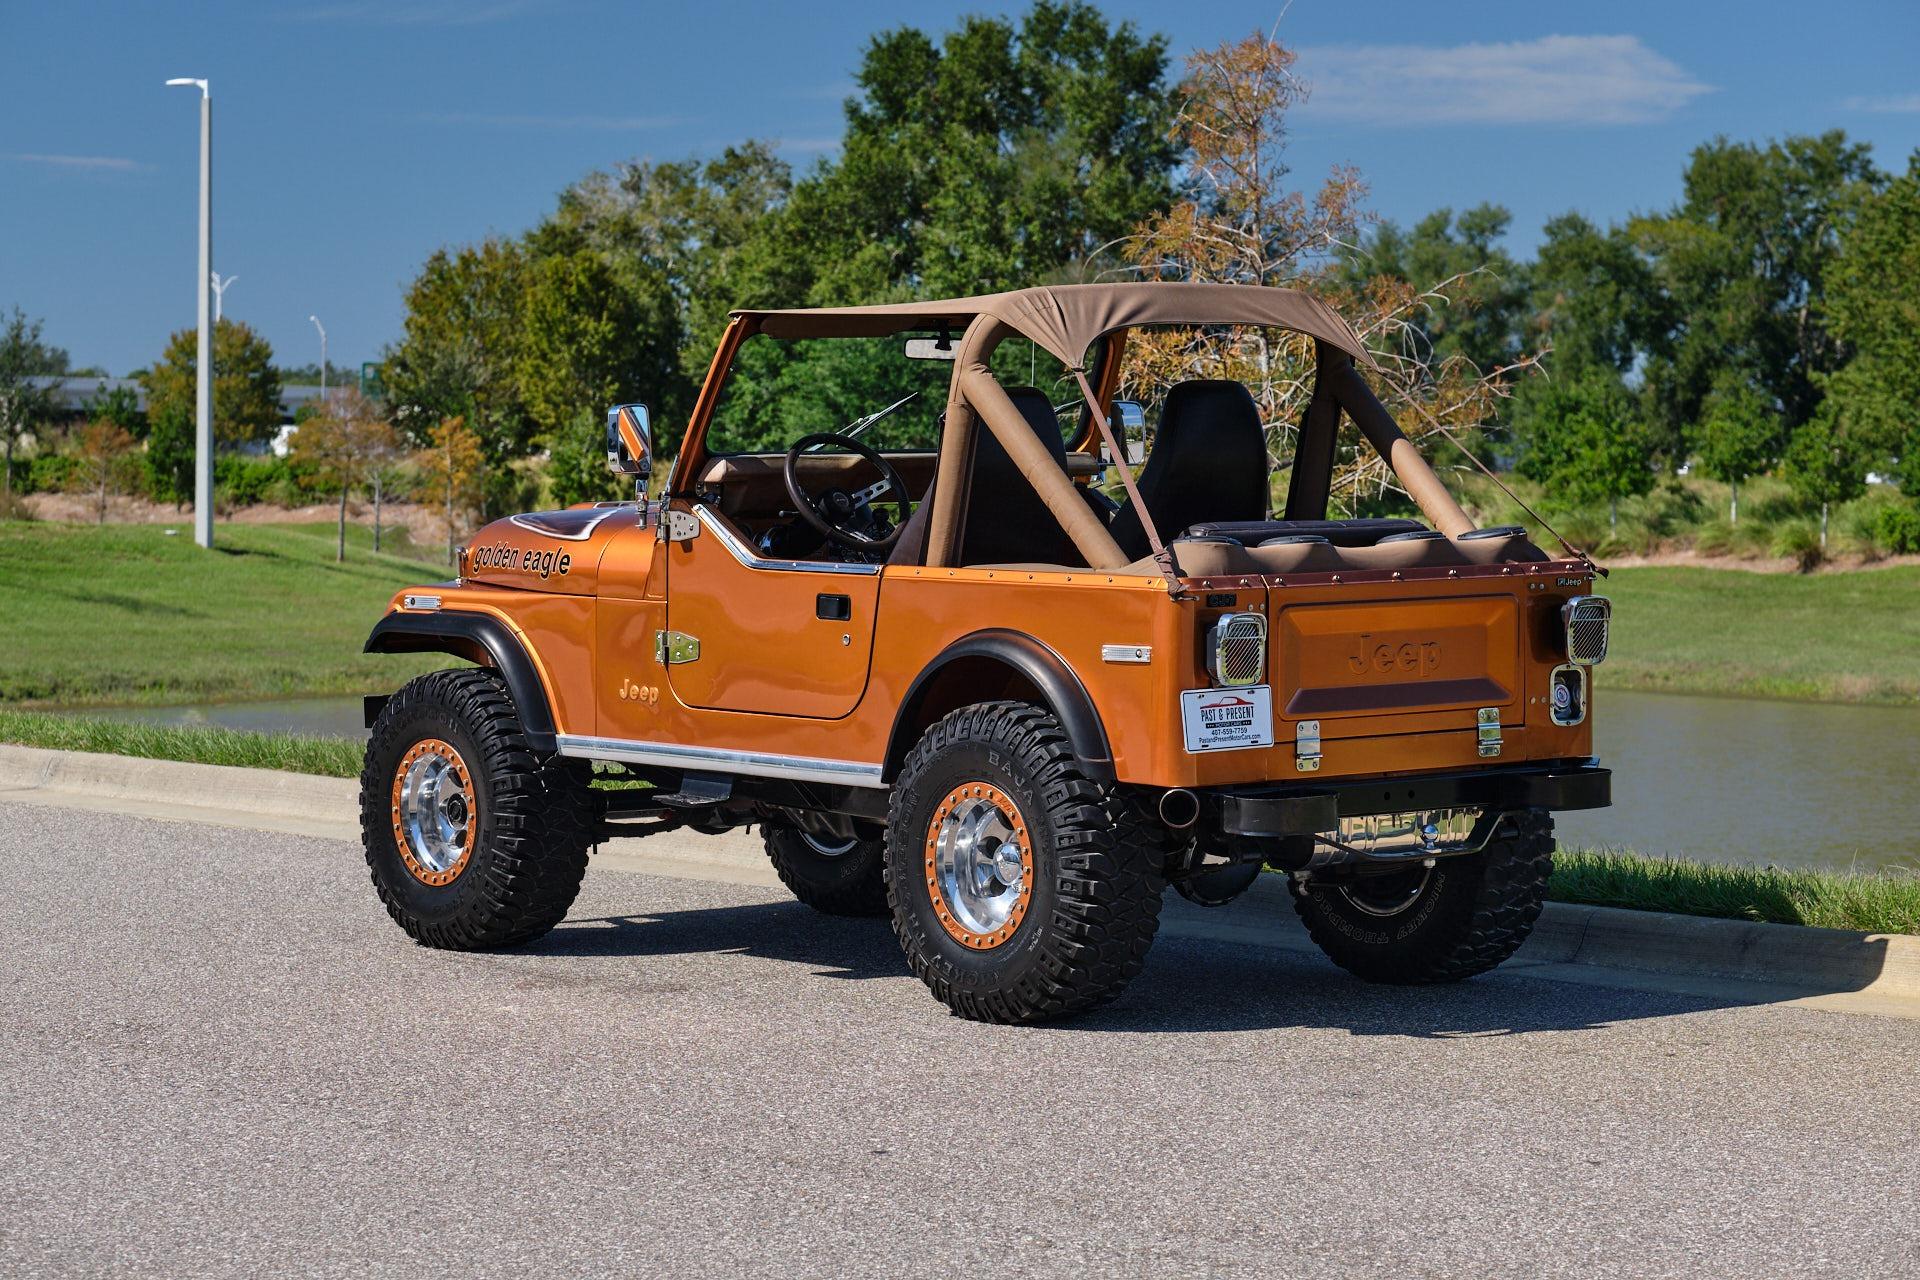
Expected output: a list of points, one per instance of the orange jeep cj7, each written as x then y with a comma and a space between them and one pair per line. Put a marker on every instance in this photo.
953, 682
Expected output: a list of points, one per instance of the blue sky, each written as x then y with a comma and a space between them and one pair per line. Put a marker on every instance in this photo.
352, 137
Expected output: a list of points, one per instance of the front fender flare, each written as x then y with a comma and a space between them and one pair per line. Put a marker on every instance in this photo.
1046, 670
479, 638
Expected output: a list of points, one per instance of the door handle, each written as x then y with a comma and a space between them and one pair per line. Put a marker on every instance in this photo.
833, 608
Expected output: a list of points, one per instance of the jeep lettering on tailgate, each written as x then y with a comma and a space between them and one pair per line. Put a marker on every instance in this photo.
1405, 657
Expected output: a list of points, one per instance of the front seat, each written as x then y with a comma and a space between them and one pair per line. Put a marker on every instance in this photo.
1007, 523
1208, 465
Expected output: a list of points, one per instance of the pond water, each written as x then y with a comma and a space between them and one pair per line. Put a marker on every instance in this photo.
1716, 779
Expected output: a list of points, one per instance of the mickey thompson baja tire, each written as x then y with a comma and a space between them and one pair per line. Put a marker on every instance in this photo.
1021, 889
474, 839
1462, 917
840, 877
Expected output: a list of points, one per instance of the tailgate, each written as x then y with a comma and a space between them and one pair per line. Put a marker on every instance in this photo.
1349, 664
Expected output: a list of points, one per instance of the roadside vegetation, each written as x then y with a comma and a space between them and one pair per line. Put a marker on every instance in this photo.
290, 753
121, 614
1883, 902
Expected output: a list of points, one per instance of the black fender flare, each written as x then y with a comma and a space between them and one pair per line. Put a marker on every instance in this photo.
1046, 670
479, 638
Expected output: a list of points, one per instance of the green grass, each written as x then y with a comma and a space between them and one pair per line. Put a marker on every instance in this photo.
1887, 902
291, 753
1833, 637
94, 615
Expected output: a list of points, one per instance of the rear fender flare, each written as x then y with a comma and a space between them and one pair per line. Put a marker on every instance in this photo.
479, 638
1059, 688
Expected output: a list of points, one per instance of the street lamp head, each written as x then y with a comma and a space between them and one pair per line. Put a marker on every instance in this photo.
185, 81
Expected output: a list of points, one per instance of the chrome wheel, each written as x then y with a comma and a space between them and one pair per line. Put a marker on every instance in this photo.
979, 865
829, 848
1385, 896
434, 812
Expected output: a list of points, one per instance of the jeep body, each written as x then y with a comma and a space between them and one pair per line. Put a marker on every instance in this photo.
1355, 702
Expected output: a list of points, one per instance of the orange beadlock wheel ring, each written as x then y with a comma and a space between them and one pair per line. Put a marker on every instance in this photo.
979, 865
435, 811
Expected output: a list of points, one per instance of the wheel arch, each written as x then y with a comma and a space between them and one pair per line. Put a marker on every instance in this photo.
994, 664
481, 639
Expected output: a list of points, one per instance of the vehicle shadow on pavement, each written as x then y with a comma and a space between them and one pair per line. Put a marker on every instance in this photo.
1189, 985
836, 946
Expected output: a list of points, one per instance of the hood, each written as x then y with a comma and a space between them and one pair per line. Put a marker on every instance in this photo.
555, 551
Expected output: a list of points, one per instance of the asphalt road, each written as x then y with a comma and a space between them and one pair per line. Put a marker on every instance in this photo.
217, 1057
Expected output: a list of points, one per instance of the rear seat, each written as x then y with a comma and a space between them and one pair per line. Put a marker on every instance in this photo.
1341, 533
1205, 555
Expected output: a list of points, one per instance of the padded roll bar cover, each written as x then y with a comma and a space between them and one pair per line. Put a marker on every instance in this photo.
479, 638
1065, 696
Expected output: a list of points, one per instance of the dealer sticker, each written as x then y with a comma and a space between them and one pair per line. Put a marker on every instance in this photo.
1227, 719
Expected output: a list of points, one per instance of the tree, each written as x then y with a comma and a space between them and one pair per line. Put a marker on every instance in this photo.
246, 390
23, 357
1873, 306
1241, 222
170, 446
339, 443
1585, 443
1827, 463
588, 341
451, 463
460, 356
1744, 257
105, 447
385, 458
1486, 289
121, 406
1740, 437
1006, 154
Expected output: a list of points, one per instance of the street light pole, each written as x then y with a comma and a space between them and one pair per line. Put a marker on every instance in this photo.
323, 359
220, 288
203, 390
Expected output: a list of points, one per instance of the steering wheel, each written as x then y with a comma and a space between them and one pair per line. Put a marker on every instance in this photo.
830, 512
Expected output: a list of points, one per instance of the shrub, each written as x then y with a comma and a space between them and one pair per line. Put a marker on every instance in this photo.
1799, 541
1714, 538
1896, 529
243, 481
51, 473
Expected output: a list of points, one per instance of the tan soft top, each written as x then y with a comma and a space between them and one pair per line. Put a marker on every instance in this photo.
1066, 319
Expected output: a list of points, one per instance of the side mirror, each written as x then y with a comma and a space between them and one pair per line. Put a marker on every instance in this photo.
1132, 421
629, 440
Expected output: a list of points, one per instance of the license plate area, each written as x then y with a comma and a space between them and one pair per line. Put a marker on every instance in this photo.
1228, 719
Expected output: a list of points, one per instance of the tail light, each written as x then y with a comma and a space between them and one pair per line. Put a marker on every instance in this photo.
1237, 649
1589, 620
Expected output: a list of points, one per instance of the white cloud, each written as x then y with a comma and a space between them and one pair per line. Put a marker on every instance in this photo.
1904, 104
1552, 80
416, 13
607, 124
113, 164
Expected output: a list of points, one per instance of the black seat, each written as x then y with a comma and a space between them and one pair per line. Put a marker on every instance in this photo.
1208, 463
1006, 520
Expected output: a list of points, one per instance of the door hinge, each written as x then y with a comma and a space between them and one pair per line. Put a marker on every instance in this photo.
675, 646
1306, 746
679, 526
1489, 727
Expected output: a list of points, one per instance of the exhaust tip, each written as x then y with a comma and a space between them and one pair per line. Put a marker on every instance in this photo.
1179, 808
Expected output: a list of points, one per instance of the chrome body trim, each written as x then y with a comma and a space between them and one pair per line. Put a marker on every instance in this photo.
747, 556
586, 530
420, 602
757, 764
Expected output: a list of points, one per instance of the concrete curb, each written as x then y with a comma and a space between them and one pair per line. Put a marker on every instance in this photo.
1567, 939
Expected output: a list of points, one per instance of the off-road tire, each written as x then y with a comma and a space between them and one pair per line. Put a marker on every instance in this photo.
1473, 912
853, 883
1095, 881
533, 811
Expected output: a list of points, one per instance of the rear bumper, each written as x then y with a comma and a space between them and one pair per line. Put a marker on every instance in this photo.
1292, 810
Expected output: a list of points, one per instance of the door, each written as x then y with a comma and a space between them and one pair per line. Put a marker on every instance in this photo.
782, 637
